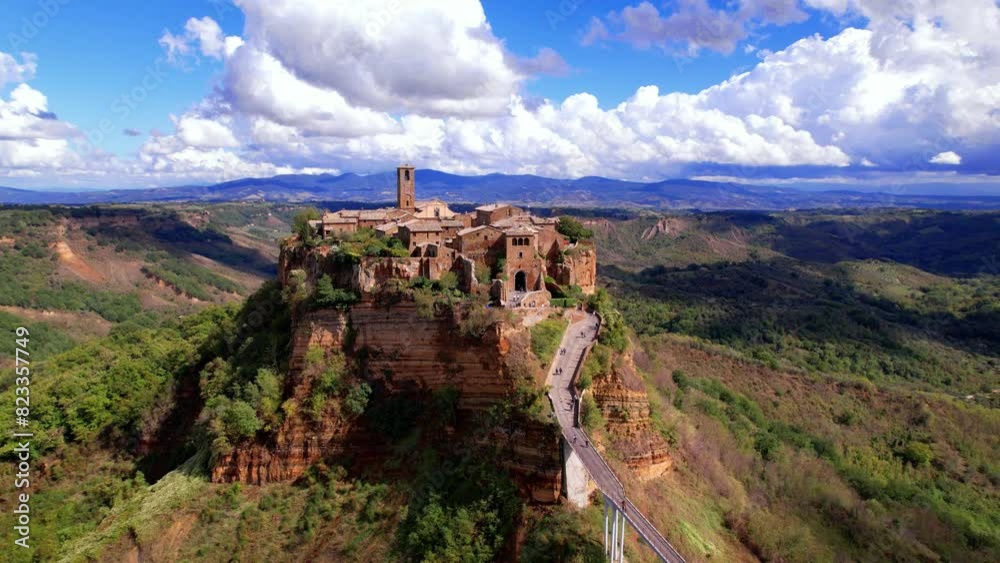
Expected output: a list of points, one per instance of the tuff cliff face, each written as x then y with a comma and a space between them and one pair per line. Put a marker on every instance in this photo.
579, 267
621, 396
403, 351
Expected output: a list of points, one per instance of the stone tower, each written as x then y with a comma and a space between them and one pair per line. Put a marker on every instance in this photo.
406, 196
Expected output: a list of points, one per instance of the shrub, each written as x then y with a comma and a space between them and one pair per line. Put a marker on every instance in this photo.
680, 379
327, 296
425, 301
357, 398
483, 274
918, 454
570, 227
590, 414
300, 225
239, 420
546, 337
613, 330
478, 320
768, 446
447, 282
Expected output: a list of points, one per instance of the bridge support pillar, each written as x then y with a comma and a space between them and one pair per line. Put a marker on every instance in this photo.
615, 549
577, 484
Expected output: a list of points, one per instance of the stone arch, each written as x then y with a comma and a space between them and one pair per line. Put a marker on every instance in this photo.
520, 281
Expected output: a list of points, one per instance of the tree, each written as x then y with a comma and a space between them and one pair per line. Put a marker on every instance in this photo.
357, 398
300, 223
328, 296
240, 421
573, 229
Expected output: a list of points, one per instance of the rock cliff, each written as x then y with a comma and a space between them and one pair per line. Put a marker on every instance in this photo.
579, 267
403, 351
621, 396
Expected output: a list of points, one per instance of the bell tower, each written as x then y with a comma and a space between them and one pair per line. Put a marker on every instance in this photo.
406, 192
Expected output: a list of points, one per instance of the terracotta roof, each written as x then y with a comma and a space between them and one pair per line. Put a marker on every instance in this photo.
422, 202
471, 230
373, 215
544, 220
492, 207
508, 222
520, 230
452, 223
422, 226
338, 220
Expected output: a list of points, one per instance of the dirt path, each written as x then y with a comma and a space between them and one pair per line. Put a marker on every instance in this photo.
76, 264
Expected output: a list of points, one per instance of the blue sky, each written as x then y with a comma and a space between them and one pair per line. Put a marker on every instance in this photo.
814, 92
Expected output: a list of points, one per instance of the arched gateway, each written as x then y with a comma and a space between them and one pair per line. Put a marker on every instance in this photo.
520, 282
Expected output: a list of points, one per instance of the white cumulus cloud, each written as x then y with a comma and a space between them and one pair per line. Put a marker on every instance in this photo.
424, 56
947, 157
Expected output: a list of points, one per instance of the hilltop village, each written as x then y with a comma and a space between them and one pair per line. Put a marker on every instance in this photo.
520, 257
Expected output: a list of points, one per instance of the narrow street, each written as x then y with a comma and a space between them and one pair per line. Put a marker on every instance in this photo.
570, 355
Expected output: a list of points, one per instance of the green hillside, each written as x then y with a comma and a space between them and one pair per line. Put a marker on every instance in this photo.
827, 384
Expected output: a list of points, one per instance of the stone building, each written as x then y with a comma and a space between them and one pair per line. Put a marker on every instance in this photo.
520, 249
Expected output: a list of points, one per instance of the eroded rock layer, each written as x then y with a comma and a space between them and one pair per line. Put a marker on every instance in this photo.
621, 396
404, 351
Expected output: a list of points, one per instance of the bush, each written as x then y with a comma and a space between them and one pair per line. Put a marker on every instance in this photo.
570, 227
239, 421
590, 414
918, 454
613, 330
447, 282
483, 274
457, 521
546, 337
680, 379
357, 398
300, 225
366, 242
327, 296
478, 320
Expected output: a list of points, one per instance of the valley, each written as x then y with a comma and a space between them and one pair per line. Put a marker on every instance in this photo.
786, 386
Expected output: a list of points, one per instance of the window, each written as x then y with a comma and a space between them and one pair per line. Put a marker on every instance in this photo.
406, 174
520, 255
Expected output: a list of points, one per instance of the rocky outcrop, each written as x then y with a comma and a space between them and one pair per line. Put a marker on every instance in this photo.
579, 267
667, 226
621, 396
365, 275
403, 350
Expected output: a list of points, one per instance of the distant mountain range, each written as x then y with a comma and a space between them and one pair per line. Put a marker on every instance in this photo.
590, 191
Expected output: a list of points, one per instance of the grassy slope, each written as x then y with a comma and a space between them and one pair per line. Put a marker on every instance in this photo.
776, 458
105, 399
823, 411
79, 270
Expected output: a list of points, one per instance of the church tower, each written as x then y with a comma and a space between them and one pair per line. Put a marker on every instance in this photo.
406, 193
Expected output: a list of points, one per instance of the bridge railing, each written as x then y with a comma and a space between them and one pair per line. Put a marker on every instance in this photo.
612, 472
677, 558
